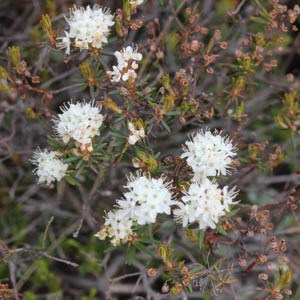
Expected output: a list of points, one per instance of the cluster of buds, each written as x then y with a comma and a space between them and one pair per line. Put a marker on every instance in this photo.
280, 13
289, 115
18, 76
262, 222
255, 149
292, 199
277, 246
190, 39
47, 28
20, 65
274, 159
277, 290
6, 292
88, 73
4, 80
145, 162
180, 274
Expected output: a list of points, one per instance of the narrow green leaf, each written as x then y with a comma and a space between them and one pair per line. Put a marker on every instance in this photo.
71, 159
220, 230
166, 126
130, 254
201, 238
72, 181
144, 249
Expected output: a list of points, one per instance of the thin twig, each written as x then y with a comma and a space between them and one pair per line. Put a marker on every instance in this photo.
85, 207
12, 274
125, 276
237, 10
67, 262
46, 232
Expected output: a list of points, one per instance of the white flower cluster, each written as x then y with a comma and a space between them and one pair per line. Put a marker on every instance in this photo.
80, 121
146, 198
88, 27
117, 227
48, 167
208, 154
135, 134
127, 64
204, 203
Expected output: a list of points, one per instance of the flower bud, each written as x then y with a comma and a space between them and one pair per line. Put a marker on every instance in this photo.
165, 288
14, 55
263, 276
151, 272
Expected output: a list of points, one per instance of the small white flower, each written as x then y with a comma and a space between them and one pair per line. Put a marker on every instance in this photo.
135, 134
80, 122
88, 27
65, 42
127, 64
115, 74
48, 167
135, 3
147, 197
204, 203
129, 74
117, 226
208, 154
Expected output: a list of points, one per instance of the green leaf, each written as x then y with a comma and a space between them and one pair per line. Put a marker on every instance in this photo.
130, 254
72, 181
221, 230
110, 248
142, 248
188, 289
166, 126
243, 160
71, 159
231, 213
201, 238
259, 20
59, 187
148, 241
116, 133
197, 269
113, 92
